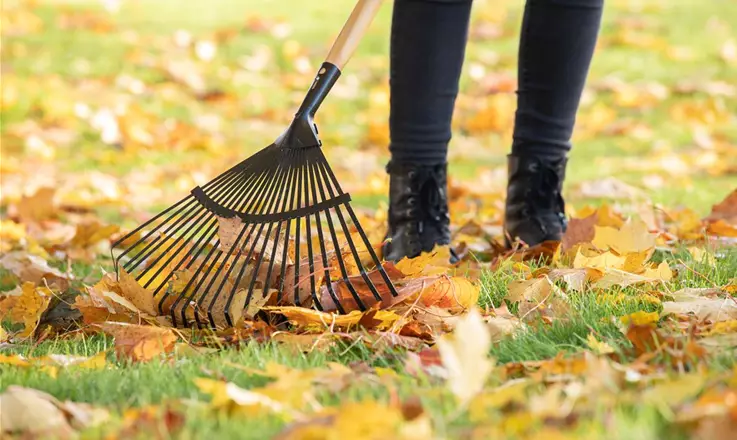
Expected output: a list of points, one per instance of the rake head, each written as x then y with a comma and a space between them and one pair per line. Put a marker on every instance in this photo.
276, 227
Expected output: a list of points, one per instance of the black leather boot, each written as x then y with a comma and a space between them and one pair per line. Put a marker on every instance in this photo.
535, 210
418, 210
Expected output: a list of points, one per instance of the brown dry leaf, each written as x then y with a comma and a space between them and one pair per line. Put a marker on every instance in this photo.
140, 343
37, 207
725, 210
33, 268
465, 356
26, 307
706, 303
141, 298
230, 229
580, 230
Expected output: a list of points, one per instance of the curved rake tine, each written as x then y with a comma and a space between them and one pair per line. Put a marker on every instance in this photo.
362, 233
351, 245
295, 176
210, 219
282, 195
318, 224
272, 202
218, 291
338, 253
220, 179
157, 242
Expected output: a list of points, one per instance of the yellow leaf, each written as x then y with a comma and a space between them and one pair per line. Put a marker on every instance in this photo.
597, 346
633, 236
674, 392
465, 356
640, 318
140, 343
229, 397
435, 262
303, 317
601, 261
524, 290
26, 307
15, 360
661, 272
721, 228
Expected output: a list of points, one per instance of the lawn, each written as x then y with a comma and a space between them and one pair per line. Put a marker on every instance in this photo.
121, 108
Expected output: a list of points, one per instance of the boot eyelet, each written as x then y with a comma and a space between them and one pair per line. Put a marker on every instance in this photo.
412, 174
411, 201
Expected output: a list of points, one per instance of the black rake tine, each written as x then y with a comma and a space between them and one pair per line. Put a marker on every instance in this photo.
275, 247
170, 230
363, 235
219, 179
271, 188
273, 202
283, 271
197, 249
338, 253
326, 268
211, 219
351, 245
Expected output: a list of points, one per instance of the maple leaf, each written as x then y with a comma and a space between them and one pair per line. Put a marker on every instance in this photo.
465, 355
633, 236
726, 210
26, 307
140, 343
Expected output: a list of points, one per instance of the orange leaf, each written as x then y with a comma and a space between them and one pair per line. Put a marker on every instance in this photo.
140, 343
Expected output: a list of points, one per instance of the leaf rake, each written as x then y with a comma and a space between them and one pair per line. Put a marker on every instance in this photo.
276, 227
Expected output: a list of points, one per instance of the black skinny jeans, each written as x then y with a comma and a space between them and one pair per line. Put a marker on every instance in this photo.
427, 48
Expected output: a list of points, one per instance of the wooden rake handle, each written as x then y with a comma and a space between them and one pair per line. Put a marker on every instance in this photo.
353, 29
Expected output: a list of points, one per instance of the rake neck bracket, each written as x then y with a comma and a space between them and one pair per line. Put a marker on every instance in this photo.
302, 132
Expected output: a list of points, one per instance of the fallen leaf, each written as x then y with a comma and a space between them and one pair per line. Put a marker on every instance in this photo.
26, 307
725, 210
465, 356
30, 412
314, 319
33, 268
705, 303
38, 206
580, 230
633, 236
139, 343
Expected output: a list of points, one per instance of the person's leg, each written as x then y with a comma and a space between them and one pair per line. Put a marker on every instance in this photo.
427, 48
556, 46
